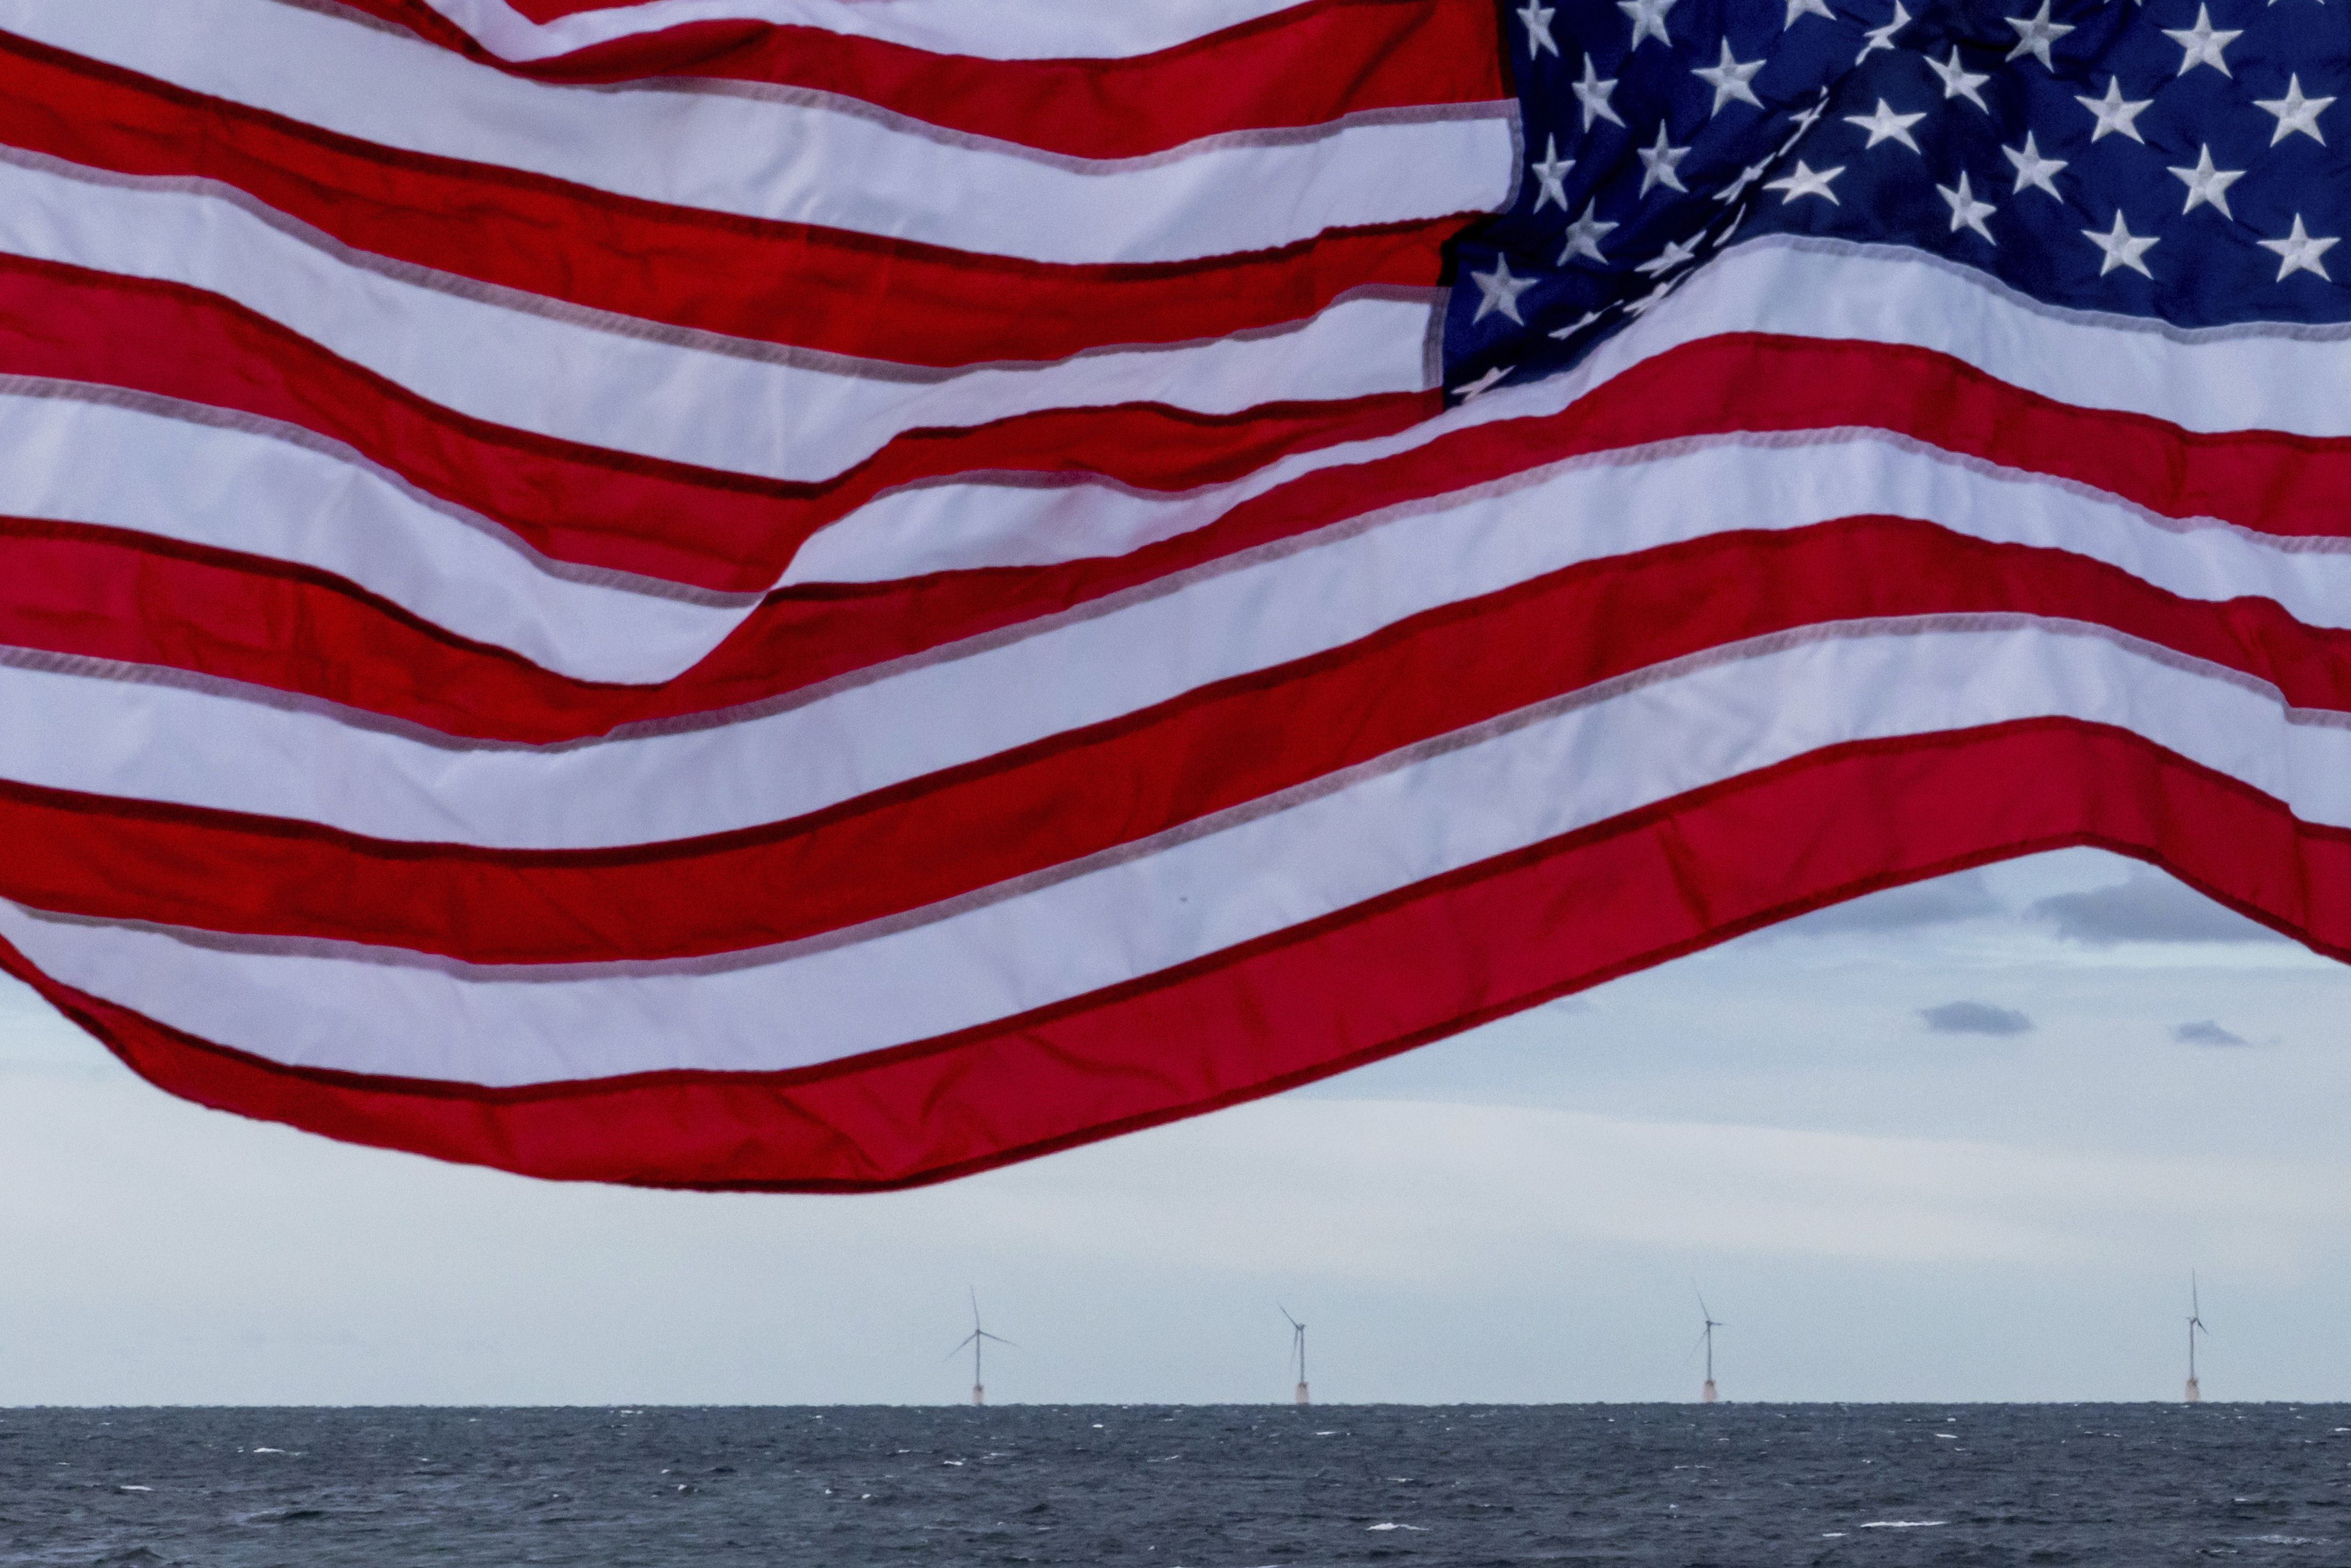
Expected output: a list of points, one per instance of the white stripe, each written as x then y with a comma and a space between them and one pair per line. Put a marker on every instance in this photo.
2284, 377
978, 523
251, 490
1137, 916
795, 161
577, 382
990, 29
157, 742
1015, 521
2295, 380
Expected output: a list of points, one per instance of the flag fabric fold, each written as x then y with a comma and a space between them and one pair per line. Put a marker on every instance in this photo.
806, 595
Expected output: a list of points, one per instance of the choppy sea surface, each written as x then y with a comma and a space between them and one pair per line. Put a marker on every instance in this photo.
1194, 1485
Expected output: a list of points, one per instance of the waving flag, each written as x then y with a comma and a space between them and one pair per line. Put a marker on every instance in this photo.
826, 593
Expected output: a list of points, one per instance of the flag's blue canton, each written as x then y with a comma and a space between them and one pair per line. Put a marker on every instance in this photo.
2170, 159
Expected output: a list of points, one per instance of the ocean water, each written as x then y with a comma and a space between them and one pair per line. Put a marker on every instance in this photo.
1196, 1486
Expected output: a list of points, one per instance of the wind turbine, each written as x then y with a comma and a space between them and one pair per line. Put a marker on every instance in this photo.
1297, 1349
2195, 1327
1706, 1335
976, 1339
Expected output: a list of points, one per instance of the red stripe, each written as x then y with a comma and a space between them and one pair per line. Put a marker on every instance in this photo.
1304, 66
816, 287
581, 503
2262, 480
354, 650
1431, 960
1087, 790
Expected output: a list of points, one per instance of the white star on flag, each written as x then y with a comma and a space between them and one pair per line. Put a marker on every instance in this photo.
1806, 8
1654, 296
1966, 212
1649, 20
1805, 121
2200, 45
2035, 33
2295, 112
1737, 187
2207, 184
1592, 92
1806, 182
1657, 163
1729, 79
1578, 325
2299, 252
2122, 248
1537, 16
1484, 383
1584, 235
1675, 253
1887, 126
1883, 37
1958, 80
2033, 169
2114, 113
1551, 175
1500, 291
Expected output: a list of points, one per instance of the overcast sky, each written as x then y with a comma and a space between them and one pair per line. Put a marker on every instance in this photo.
1963, 1141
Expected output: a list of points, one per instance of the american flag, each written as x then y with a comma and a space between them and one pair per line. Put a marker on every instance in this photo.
828, 593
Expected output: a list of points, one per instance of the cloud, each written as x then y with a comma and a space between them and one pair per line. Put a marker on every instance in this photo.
1974, 1017
2150, 907
2205, 1033
1946, 899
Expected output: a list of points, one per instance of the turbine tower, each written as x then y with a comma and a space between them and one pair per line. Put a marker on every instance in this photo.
2195, 1327
1705, 1396
977, 1339
1297, 1349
